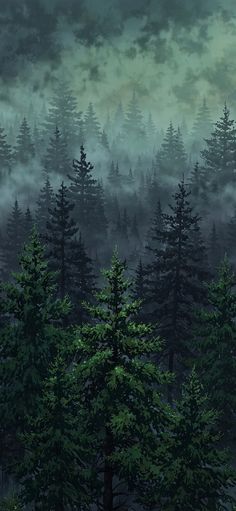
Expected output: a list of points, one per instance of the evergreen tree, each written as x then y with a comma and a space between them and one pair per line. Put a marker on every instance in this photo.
5, 155
44, 204
231, 235
87, 195
56, 160
220, 153
104, 140
64, 115
202, 127
52, 473
28, 340
114, 176
198, 475
214, 249
28, 223
14, 237
61, 230
91, 126
123, 409
139, 286
83, 280
24, 150
217, 346
176, 275
151, 132
171, 159
133, 126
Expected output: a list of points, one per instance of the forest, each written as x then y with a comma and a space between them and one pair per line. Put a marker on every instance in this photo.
117, 310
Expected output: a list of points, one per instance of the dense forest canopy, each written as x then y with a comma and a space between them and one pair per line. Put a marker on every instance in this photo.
117, 256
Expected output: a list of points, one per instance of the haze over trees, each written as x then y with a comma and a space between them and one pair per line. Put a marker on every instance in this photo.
117, 310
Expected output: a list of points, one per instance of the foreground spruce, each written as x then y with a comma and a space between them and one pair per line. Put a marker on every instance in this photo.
28, 341
198, 478
121, 391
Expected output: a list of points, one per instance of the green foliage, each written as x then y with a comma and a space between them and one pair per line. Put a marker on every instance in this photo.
10, 504
217, 345
123, 407
52, 473
30, 338
198, 477
194, 475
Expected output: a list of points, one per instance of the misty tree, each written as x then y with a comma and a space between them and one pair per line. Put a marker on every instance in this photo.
151, 132
13, 239
171, 158
6, 155
24, 149
56, 159
216, 343
202, 128
28, 223
123, 409
133, 125
119, 120
87, 195
104, 140
61, 231
63, 114
92, 130
219, 156
214, 249
176, 275
44, 203
114, 177
83, 286
231, 235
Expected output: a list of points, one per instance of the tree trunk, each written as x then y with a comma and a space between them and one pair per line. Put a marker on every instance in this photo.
108, 474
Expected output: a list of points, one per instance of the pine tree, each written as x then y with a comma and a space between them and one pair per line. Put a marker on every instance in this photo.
133, 125
217, 341
114, 176
214, 249
125, 413
57, 160
202, 127
220, 153
171, 159
61, 230
27, 341
44, 204
83, 280
64, 115
24, 150
139, 286
87, 195
198, 475
14, 237
5, 155
176, 275
91, 126
28, 223
52, 474
151, 132
104, 140
231, 235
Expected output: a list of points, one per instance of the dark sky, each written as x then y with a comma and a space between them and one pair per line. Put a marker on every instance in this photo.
172, 52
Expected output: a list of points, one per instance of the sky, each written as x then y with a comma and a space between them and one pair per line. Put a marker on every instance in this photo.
171, 52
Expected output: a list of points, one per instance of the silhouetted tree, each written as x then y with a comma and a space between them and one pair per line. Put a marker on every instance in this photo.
24, 150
